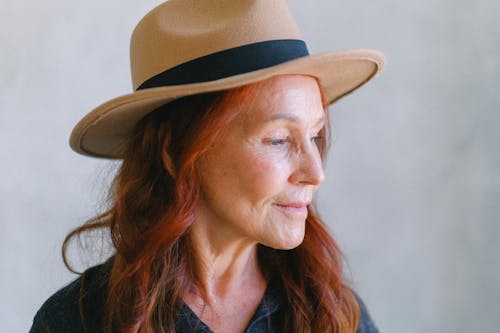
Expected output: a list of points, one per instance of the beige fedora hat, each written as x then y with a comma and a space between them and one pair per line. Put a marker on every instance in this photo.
187, 47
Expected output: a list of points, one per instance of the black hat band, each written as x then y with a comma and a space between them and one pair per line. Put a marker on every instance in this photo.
234, 61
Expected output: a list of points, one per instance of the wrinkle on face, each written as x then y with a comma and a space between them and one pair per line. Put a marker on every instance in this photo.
245, 175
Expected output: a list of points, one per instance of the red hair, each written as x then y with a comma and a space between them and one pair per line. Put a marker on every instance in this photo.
152, 208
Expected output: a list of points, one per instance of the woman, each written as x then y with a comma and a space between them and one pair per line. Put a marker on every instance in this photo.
222, 145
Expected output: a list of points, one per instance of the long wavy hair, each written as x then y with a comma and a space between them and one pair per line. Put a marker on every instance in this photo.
152, 206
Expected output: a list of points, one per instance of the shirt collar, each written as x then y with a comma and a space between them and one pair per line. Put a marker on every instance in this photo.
187, 320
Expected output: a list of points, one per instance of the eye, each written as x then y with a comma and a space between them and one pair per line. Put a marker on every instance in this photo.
317, 139
277, 141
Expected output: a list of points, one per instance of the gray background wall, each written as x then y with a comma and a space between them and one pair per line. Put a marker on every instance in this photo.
413, 187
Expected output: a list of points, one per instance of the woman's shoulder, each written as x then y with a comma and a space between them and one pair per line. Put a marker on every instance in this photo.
366, 324
84, 297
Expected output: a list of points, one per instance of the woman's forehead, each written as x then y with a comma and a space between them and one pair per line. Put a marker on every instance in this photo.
291, 98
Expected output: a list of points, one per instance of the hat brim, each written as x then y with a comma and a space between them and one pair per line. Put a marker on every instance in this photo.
103, 131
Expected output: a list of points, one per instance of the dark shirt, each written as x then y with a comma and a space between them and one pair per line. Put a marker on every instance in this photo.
62, 311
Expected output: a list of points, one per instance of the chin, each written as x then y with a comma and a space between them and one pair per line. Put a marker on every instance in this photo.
290, 246
290, 243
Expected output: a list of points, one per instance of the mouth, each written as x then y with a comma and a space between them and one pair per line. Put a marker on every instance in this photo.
293, 208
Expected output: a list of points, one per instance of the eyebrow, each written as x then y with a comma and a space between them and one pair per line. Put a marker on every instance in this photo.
290, 117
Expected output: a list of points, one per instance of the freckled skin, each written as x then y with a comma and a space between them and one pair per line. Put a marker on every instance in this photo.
266, 162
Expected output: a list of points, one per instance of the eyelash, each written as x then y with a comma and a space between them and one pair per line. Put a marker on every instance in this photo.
317, 139
278, 142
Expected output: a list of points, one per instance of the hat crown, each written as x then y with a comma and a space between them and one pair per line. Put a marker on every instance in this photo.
179, 31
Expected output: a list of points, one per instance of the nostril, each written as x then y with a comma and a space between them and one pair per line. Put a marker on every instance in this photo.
310, 172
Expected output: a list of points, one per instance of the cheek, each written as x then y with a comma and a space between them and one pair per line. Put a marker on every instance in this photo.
248, 176
266, 174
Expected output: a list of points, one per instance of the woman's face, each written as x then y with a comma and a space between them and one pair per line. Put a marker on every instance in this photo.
257, 181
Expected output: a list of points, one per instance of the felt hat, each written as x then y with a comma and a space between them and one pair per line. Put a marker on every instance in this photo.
187, 47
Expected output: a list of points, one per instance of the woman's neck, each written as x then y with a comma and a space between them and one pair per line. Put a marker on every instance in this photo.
230, 285
223, 265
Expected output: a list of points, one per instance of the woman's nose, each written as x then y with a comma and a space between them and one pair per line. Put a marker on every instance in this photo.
309, 167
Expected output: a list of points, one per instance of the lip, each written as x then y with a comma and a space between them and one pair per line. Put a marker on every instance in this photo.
295, 208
